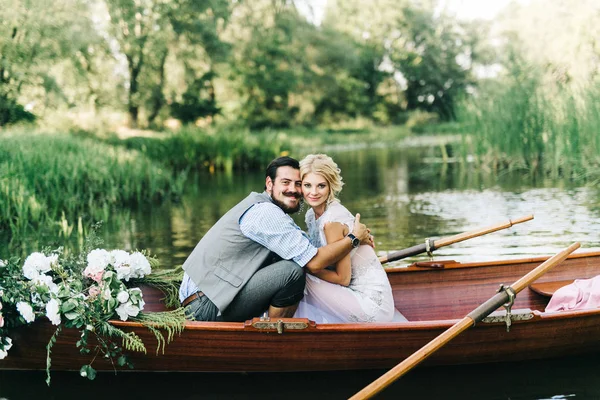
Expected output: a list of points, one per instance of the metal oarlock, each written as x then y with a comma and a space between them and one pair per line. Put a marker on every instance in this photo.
508, 305
428, 248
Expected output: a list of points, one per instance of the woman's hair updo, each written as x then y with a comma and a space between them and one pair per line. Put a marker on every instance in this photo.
323, 165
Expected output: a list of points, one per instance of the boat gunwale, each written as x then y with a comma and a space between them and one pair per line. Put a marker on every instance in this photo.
358, 327
313, 327
451, 264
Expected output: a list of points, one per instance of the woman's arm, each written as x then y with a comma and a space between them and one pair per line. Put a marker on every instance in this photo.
342, 274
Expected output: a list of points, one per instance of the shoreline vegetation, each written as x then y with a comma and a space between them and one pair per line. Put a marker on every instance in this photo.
59, 183
529, 126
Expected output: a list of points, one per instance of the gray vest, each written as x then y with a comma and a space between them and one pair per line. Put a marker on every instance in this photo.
224, 259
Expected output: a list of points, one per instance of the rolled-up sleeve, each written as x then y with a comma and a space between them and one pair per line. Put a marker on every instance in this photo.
267, 224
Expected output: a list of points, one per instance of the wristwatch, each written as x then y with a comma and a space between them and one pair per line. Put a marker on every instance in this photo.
355, 240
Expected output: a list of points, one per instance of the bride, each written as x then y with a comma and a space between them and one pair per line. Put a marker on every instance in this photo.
356, 289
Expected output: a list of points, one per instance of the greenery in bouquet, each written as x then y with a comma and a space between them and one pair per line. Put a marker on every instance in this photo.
85, 292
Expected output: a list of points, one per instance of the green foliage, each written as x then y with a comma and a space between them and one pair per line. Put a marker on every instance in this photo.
48, 178
197, 101
428, 59
524, 124
196, 149
12, 112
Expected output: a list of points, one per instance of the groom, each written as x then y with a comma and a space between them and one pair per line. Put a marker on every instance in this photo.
252, 259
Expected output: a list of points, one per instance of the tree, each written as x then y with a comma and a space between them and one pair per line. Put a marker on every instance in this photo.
270, 62
148, 30
37, 41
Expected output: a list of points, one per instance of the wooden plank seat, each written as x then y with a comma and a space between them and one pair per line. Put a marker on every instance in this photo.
548, 288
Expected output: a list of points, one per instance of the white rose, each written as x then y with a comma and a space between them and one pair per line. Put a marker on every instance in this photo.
7, 346
106, 293
98, 260
52, 311
126, 310
140, 265
123, 296
26, 311
119, 258
45, 280
2, 263
124, 272
52, 260
35, 263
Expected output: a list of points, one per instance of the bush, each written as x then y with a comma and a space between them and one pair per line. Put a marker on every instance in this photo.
12, 112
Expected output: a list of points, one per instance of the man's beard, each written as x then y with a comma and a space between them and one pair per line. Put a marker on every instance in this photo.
285, 208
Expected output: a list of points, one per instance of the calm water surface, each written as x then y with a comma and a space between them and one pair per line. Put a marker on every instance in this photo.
404, 201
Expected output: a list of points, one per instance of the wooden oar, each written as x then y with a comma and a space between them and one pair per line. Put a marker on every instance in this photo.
433, 245
468, 321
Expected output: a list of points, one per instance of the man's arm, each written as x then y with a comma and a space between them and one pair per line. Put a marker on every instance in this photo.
334, 252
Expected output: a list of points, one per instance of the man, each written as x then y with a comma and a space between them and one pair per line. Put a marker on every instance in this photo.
251, 260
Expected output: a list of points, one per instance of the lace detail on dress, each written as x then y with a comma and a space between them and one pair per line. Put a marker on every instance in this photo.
368, 298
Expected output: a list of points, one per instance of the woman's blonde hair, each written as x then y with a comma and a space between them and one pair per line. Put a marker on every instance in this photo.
323, 165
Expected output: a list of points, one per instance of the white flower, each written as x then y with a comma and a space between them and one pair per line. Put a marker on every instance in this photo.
6, 347
52, 311
126, 310
119, 258
52, 260
45, 280
34, 264
123, 296
140, 265
2, 263
26, 311
106, 293
98, 260
124, 272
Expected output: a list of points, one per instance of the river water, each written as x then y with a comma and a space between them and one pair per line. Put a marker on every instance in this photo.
405, 196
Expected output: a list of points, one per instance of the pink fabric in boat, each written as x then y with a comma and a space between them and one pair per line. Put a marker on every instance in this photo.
582, 294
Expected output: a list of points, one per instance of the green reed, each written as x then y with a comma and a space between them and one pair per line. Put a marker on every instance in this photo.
61, 182
535, 127
239, 149
223, 150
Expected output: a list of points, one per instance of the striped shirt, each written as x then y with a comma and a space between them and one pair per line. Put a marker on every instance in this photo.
268, 225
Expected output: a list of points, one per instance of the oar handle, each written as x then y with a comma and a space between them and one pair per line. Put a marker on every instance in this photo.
468, 321
433, 245
480, 232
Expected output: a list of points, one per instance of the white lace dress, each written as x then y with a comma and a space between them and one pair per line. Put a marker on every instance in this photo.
368, 298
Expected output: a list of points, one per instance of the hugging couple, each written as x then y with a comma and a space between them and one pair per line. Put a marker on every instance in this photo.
256, 259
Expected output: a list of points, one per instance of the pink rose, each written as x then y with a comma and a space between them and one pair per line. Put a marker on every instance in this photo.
94, 275
94, 292
1, 321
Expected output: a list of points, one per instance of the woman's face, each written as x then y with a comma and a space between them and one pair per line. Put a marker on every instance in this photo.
315, 189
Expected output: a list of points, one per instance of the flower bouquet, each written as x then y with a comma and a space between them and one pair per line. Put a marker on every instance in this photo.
84, 292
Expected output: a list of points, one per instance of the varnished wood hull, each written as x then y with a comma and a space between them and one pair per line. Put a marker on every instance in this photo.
432, 300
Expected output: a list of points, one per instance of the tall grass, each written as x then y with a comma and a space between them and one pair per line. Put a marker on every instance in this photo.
60, 182
240, 149
539, 128
195, 149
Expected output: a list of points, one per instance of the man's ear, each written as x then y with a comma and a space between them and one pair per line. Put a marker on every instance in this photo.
269, 184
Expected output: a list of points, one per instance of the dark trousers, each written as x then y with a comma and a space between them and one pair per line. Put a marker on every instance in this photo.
280, 285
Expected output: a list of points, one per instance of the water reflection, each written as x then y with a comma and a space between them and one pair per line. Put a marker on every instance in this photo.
401, 198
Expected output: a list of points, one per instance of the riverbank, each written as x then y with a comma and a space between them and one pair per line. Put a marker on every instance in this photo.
61, 183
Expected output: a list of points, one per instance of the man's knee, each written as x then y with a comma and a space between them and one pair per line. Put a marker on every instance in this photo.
294, 272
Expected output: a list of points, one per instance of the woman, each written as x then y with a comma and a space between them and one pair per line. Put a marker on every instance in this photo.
357, 288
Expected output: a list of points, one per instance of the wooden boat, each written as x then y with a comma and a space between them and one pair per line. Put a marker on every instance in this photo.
432, 296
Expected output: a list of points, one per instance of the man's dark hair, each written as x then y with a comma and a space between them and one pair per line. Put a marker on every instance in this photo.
285, 161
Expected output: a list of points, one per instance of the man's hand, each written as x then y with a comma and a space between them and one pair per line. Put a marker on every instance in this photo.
360, 231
